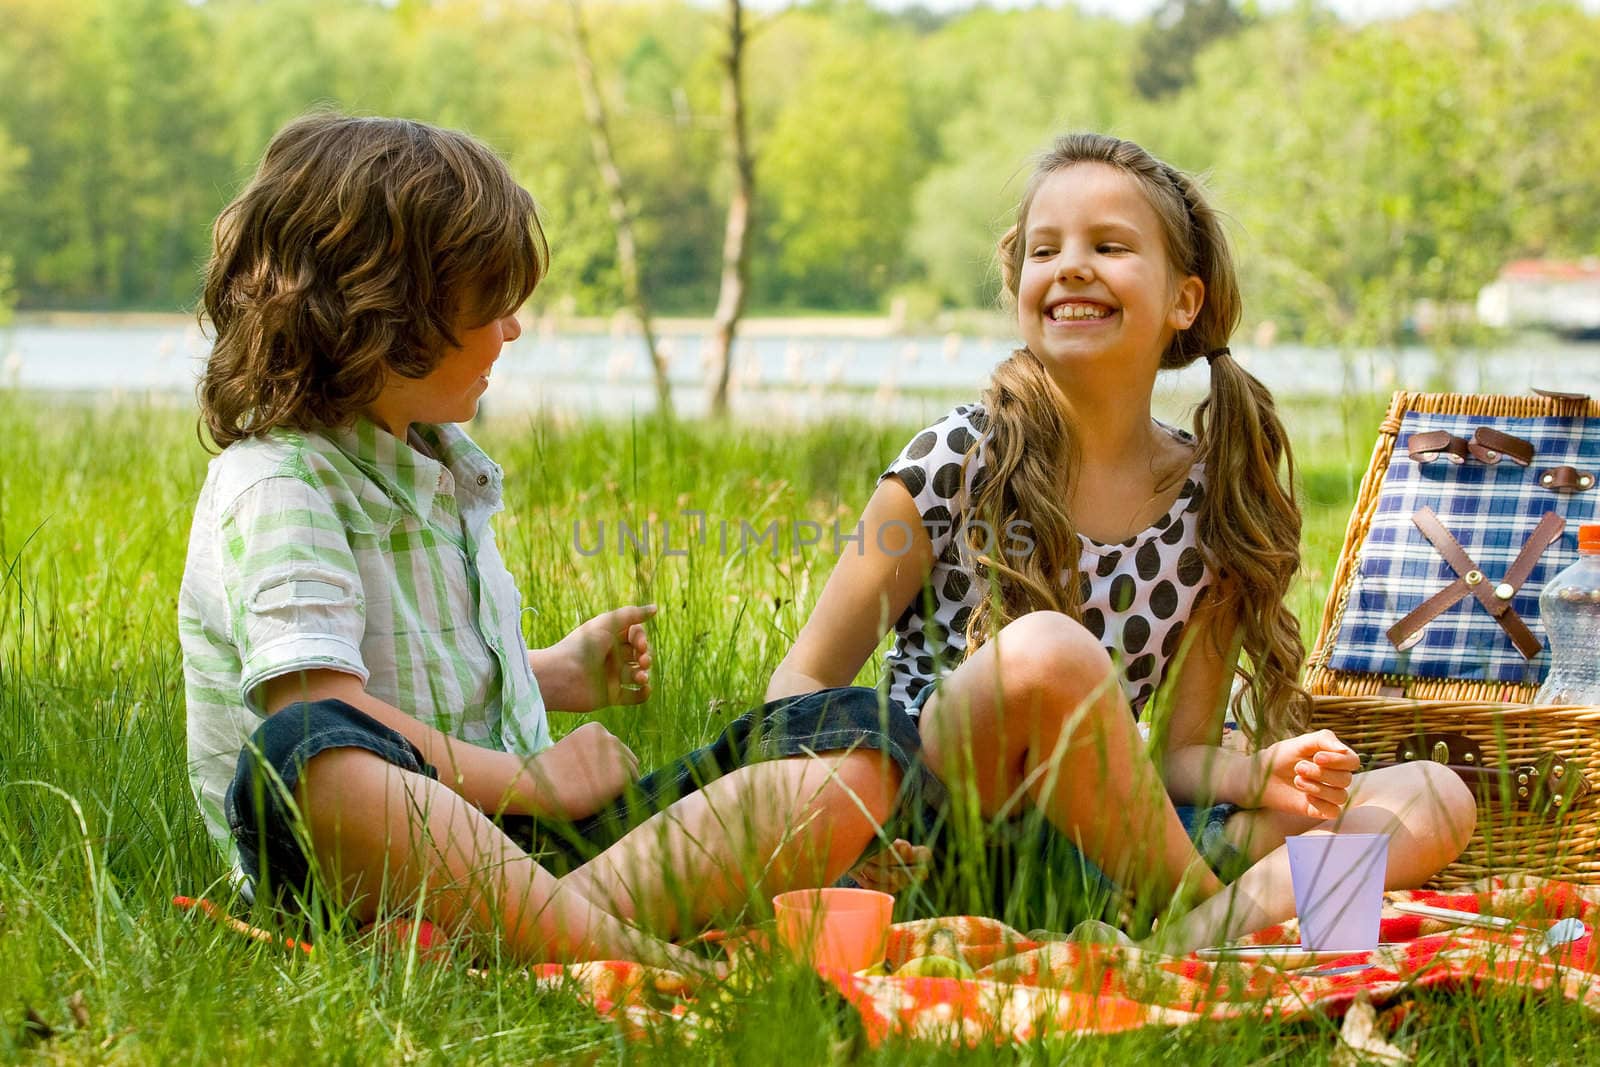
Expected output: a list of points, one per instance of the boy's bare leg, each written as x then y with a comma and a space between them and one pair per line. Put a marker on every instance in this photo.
762, 829
1426, 809
1035, 717
383, 835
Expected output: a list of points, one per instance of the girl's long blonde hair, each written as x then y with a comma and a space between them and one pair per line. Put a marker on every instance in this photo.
1249, 519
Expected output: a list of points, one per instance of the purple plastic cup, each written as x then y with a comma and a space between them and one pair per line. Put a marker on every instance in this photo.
1338, 889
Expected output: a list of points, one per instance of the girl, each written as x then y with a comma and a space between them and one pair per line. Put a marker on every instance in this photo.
361, 703
1071, 557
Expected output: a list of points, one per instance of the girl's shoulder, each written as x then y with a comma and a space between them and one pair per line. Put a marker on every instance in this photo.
935, 456
956, 431
970, 416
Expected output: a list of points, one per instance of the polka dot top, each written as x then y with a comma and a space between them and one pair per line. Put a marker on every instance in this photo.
1136, 594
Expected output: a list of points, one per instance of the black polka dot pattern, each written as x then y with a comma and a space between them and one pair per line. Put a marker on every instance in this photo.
1135, 634
916, 480
947, 480
1164, 599
1136, 594
1094, 620
1172, 642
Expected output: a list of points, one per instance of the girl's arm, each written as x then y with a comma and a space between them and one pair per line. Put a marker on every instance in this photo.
1197, 769
869, 588
571, 779
1305, 775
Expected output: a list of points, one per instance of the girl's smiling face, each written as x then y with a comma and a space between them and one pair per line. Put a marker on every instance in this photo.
1096, 282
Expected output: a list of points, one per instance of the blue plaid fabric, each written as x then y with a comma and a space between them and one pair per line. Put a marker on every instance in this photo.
1491, 510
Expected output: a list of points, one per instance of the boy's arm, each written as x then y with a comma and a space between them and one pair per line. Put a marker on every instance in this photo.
1305, 775
569, 780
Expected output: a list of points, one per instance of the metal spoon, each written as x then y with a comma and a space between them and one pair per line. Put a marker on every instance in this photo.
1563, 933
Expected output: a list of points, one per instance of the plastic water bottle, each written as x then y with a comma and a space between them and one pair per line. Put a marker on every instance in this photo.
1570, 608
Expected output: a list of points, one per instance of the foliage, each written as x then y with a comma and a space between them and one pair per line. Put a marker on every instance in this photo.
1178, 31
1368, 165
835, 170
11, 158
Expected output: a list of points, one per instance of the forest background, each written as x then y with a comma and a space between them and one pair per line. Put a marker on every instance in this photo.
1369, 167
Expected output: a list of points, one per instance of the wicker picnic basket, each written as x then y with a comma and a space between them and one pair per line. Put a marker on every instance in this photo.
1535, 769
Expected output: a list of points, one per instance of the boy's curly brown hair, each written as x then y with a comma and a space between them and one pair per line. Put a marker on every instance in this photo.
347, 259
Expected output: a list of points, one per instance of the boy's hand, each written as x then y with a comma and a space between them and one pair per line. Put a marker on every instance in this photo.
580, 773
1309, 775
603, 662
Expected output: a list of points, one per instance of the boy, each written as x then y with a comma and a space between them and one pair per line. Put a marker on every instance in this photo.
361, 702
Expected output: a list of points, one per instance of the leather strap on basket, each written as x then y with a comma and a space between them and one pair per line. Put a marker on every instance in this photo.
1558, 394
1496, 599
1566, 480
1437, 444
1488, 445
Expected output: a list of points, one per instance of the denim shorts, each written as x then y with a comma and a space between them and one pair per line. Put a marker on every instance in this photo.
271, 847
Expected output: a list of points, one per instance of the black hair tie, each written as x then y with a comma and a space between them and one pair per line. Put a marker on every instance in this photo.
1211, 356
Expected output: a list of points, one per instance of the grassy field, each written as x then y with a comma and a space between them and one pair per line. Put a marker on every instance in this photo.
98, 831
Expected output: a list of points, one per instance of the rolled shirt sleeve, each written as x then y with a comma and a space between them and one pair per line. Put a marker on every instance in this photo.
294, 592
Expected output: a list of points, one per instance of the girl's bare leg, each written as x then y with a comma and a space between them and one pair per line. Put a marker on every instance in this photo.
1036, 717
762, 829
1427, 810
383, 836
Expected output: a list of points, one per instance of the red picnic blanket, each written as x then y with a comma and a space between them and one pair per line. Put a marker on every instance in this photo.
1025, 989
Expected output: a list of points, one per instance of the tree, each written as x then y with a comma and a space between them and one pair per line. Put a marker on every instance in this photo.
1395, 162
621, 217
981, 130
736, 235
838, 167
1178, 31
11, 159
122, 166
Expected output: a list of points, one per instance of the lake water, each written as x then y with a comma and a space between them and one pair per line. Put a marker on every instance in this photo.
776, 375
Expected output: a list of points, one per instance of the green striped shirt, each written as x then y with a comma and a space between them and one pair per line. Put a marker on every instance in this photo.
353, 551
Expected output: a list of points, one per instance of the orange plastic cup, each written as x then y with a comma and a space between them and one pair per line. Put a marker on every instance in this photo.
839, 929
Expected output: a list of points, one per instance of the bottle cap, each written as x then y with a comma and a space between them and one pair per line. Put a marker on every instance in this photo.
1589, 538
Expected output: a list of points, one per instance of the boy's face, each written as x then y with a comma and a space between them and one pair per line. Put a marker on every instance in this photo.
449, 392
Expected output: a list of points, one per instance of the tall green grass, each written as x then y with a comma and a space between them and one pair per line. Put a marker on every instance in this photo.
98, 831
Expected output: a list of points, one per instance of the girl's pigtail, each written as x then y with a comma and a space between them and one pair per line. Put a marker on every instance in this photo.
1250, 523
1019, 501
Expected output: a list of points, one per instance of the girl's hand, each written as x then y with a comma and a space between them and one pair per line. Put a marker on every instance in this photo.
891, 869
1309, 775
604, 662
